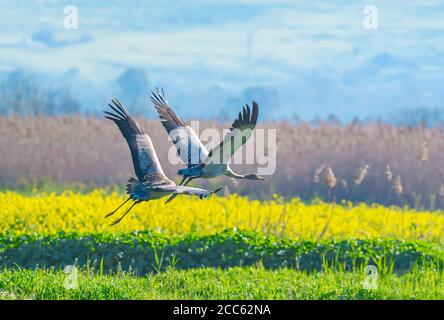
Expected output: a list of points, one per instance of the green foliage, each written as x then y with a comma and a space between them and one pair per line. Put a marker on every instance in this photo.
215, 283
147, 252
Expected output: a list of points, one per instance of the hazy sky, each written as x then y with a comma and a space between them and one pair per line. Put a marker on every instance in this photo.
309, 57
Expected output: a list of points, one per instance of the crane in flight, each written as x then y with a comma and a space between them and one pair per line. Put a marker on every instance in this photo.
200, 162
151, 182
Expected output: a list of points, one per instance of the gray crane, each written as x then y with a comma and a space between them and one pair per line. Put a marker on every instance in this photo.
151, 182
200, 162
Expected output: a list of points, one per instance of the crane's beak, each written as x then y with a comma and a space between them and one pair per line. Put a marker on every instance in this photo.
217, 190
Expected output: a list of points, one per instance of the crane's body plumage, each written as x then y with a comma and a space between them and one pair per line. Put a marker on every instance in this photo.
208, 171
143, 191
151, 182
202, 163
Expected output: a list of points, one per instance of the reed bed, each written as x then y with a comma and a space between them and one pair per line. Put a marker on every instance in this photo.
371, 162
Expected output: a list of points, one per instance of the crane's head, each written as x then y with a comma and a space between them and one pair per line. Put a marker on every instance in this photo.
253, 176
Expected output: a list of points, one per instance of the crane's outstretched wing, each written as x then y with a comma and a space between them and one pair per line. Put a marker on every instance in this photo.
239, 133
146, 163
188, 145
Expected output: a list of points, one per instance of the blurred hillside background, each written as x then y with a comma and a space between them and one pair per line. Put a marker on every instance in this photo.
299, 59
339, 94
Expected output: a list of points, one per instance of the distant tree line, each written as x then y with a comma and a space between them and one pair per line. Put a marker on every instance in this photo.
421, 116
21, 94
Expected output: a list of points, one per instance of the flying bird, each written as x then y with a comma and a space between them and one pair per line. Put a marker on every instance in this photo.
151, 182
202, 163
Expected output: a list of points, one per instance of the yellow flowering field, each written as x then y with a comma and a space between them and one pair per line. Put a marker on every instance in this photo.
51, 213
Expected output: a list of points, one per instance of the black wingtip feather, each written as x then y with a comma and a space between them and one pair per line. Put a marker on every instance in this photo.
116, 109
110, 118
119, 105
255, 114
158, 99
116, 116
119, 113
248, 116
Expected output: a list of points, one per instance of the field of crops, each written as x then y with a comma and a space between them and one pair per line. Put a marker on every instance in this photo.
216, 248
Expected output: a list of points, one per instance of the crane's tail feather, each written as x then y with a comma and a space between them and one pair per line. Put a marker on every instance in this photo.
211, 192
206, 194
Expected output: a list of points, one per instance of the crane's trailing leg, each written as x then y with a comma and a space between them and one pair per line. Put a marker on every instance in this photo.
189, 179
184, 178
171, 197
190, 173
111, 213
120, 219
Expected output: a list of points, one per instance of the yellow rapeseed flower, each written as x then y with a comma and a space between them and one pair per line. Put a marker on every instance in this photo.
50, 213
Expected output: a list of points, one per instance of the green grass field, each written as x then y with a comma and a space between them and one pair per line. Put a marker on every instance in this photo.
231, 248
215, 283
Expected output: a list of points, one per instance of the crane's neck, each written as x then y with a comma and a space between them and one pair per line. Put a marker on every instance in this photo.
250, 176
233, 174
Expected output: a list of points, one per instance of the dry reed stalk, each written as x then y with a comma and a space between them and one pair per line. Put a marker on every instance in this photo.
398, 186
317, 174
388, 173
423, 154
91, 151
441, 191
329, 178
361, 174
